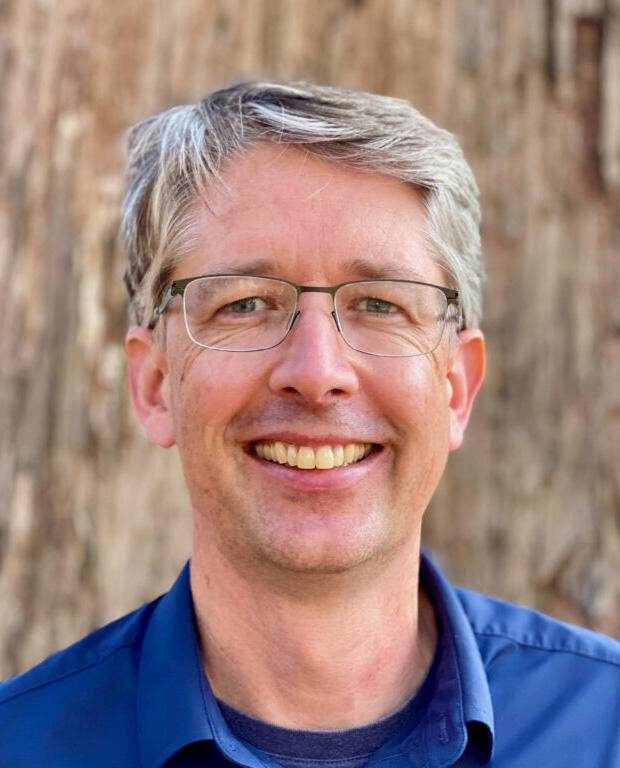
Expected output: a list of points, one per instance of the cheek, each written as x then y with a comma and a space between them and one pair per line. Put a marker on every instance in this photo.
209, 390
415, 398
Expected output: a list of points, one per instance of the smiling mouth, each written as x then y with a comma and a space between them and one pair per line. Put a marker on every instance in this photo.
306, 457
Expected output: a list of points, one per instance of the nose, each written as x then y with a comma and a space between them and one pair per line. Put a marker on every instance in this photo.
314, 361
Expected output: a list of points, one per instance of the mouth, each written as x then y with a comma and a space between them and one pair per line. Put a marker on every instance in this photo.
312, 457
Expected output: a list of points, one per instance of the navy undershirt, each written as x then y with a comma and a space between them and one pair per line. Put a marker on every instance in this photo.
351, 748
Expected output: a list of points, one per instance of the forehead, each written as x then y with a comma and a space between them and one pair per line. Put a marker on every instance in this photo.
287, 211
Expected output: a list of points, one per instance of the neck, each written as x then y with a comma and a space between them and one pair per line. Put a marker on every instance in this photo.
314, 651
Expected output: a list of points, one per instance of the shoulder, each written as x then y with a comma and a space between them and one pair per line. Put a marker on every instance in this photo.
79, 696
555, 688
516, 626
95, 650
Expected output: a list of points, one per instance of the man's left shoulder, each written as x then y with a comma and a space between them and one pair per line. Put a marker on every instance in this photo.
554, 687
521, 643
491, 617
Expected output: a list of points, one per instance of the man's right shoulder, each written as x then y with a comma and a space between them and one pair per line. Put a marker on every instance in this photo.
90, 652
79, 693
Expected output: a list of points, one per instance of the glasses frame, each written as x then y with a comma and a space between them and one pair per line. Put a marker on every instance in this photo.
177, 288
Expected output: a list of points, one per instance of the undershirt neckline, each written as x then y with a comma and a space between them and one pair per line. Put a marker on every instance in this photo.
348, 747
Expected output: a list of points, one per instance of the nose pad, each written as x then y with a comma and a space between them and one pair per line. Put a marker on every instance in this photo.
292, 322
333, 314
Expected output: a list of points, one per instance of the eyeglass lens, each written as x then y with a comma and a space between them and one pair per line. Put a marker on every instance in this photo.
252, 313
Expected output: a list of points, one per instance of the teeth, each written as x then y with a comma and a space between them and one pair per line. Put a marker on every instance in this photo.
306, 457
291, 455
324, 457
350, 453
338, 455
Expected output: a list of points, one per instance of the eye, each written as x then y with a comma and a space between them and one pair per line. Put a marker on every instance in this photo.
245, 306
376, 306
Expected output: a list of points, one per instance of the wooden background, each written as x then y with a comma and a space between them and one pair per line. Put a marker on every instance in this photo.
93, 520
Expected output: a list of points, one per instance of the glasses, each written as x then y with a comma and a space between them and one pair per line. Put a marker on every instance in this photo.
245, 313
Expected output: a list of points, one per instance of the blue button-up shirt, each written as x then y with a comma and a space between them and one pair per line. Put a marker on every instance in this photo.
512, 688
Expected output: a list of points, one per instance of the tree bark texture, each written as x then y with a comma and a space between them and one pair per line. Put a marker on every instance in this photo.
93, 519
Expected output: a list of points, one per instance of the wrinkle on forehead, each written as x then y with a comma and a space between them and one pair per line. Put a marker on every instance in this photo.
225, 192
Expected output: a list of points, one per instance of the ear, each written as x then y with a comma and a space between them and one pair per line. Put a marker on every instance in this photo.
464, 377
149, 386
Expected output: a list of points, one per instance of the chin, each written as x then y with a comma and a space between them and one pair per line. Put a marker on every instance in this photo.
323, 554
328, 563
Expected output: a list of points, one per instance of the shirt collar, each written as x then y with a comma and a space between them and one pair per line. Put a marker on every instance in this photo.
461, 711
176, 707
171, 709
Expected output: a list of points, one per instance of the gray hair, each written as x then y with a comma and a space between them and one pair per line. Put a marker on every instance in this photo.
175, 155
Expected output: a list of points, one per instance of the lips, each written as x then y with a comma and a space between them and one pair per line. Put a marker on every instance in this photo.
326, 456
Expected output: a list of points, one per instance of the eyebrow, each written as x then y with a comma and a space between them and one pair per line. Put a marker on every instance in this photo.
392, 270
359, 269
253, 267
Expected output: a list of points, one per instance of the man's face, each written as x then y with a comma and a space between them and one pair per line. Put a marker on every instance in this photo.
284, 214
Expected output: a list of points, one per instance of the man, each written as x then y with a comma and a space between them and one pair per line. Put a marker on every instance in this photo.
305, 275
